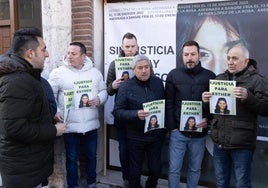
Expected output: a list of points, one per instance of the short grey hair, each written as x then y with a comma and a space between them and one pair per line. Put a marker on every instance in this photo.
240, 44
138, 58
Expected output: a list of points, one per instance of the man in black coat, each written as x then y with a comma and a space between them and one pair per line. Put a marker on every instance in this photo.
27, 132
128, 110
186, 83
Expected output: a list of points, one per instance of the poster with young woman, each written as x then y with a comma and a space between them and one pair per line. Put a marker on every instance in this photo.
161, 28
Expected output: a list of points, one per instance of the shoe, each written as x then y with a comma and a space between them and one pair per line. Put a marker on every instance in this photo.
93, 185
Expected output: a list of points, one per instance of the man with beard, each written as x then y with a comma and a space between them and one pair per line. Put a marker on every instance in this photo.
186, 83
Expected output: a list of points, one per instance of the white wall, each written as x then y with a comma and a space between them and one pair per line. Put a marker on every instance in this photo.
56, 17
98, 59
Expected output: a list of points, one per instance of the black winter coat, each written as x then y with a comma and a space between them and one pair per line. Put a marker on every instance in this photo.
240, 131
185, 84
130, 97
26, 130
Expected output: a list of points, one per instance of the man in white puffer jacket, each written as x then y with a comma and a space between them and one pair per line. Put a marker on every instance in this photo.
82, 123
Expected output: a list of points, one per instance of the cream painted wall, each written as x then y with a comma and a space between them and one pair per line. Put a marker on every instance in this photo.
56, 17
99, 63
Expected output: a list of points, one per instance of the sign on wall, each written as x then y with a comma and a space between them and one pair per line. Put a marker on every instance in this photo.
161, 28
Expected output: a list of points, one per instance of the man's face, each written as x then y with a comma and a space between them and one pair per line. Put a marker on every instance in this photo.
75, 57
190, 56
129, 46
236, 60
39, 54
142, 70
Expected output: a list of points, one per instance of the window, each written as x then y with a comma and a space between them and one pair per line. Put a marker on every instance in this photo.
4, 10
30, 14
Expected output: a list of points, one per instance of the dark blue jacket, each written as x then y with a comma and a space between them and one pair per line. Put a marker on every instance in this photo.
130, 97
185, 84
50, 97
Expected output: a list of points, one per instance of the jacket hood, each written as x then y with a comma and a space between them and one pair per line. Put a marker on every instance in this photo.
10, 63
253, 63
88, 64
250, 69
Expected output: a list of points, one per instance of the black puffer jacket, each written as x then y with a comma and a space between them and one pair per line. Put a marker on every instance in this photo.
185, 84
130, 97
26, 129
240, 131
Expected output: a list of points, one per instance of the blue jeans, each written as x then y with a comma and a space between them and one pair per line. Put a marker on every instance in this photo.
72, 146
178, 145
239, 159
123, 151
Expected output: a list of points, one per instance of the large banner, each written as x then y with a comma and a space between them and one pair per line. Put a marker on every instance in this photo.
161, 28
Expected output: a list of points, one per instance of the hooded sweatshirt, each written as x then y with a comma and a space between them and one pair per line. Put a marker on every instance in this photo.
62, 79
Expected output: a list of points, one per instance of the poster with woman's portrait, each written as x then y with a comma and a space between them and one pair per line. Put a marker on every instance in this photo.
223, 101
156, 119
82, 93
191, 115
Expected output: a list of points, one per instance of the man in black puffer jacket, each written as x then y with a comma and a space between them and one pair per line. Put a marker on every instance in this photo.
186, 83
27, 132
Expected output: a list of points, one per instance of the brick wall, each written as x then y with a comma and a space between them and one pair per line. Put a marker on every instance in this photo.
82, 23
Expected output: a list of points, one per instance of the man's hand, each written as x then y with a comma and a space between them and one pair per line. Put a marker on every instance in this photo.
241, 93
142, 114
94, 102
58, 117
206, 96
60, 128
116, 84
203, 123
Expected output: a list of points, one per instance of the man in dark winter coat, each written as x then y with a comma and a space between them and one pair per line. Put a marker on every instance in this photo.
143, 87
129, 48
27, 132
234, 137
186, 83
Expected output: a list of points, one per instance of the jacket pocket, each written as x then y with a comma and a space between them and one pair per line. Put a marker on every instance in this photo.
243, 133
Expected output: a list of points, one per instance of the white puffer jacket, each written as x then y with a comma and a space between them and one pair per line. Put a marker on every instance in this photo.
84, 119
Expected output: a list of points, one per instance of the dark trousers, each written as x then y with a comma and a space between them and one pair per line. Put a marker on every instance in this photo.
123, 151
137, 149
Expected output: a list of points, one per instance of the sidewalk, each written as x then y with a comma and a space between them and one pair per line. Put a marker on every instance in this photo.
113, 179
